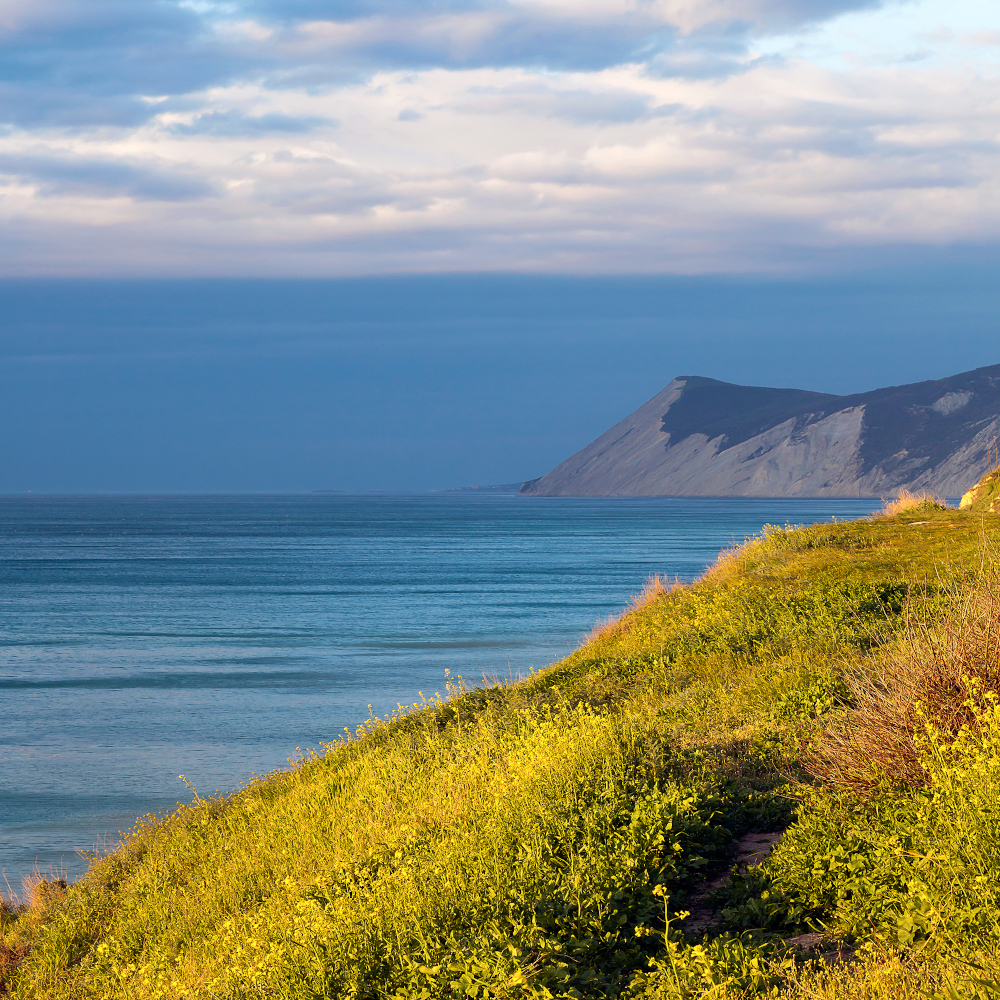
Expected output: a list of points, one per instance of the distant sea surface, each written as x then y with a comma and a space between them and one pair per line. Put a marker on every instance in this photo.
211, 636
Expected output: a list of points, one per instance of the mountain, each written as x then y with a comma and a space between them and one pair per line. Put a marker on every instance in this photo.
701, 437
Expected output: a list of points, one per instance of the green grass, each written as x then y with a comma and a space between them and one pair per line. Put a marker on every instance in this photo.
543, 839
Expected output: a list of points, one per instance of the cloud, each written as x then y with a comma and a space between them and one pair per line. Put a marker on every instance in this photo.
237, 124
79, 63
536, 97
986, 37
64, 175
534, 135
686, 15
698, 39
74, 64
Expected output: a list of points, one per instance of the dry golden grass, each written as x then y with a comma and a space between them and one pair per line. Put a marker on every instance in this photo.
909, 501
937, 671
43, 893
14, 947
11, 956
656, 586
21, 915
734, 558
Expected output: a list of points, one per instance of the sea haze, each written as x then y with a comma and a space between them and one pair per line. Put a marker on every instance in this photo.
212, 636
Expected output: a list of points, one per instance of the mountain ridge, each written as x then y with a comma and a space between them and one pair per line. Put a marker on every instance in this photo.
703, 437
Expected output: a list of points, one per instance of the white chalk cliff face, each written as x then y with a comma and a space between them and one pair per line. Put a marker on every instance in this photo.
700, 437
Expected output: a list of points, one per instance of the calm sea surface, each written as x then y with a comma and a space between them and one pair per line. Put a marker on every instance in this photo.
145, 637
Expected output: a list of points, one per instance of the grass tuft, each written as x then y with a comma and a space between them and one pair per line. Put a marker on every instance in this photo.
941, 669
655, 587
14, 943
911, 501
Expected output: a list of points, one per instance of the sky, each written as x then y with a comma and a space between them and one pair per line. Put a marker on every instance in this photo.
426, 382
300, 138
286, 244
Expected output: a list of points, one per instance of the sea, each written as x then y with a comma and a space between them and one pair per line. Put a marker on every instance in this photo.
219, 637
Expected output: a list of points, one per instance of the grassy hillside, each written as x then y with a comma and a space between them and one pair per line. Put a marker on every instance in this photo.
570, 836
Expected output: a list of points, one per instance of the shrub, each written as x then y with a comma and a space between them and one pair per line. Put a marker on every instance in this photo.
921, 868
940, 668
911, 501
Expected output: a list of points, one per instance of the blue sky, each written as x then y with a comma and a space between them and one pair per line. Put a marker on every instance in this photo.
427, 382
800, 192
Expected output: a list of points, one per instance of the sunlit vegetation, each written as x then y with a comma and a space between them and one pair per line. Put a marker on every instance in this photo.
571, 835
907, 500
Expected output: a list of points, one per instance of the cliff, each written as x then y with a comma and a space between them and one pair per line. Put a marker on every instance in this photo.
702, 437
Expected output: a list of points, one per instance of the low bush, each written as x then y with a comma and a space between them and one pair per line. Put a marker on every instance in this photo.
920, 869
911, 501
940, 668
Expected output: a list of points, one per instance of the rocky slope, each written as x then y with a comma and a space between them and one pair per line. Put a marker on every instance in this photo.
701, 437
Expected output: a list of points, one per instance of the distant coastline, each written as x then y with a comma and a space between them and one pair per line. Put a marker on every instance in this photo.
502, 488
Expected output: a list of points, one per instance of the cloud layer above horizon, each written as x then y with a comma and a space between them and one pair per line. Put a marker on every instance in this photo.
293, 137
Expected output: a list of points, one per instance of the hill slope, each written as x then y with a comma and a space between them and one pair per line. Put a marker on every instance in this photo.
701, 437
528, 841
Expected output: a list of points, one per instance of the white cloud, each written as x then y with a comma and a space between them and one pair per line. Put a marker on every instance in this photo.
798, 155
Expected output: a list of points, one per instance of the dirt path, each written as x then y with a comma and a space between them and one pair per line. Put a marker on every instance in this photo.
751, 850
